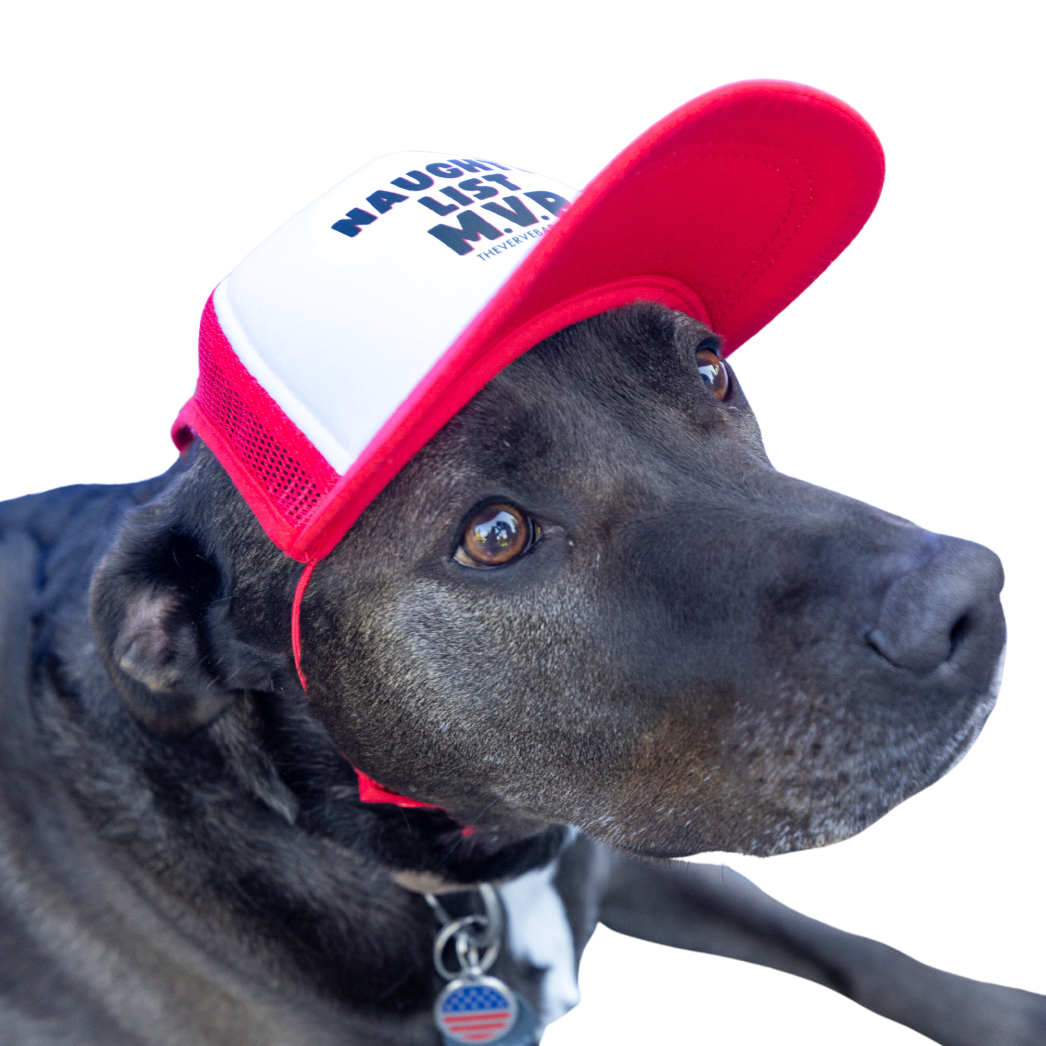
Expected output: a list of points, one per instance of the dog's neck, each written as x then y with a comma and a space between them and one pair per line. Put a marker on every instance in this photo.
227, 825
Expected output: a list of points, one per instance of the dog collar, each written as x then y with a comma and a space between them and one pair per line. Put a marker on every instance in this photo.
339, 346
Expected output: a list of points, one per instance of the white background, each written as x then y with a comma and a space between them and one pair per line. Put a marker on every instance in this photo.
149, 146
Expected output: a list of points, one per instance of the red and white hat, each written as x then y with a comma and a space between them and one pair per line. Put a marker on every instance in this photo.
343, 343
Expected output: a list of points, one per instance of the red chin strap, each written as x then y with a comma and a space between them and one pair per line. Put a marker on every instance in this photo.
370, 790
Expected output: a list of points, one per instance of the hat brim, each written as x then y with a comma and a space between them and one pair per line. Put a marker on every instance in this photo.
727, 210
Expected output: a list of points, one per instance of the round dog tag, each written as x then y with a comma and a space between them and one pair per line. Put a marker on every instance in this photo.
476, 1009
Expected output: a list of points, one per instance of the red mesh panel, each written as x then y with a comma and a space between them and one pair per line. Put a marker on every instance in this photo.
267, 444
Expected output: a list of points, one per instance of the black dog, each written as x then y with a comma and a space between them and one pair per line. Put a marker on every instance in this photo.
663, 643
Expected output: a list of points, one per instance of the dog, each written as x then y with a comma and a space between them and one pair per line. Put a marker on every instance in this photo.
588, 623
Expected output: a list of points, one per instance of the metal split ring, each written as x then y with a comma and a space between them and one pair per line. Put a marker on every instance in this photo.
472, 935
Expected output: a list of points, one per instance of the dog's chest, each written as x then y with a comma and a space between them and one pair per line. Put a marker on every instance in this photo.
540, 934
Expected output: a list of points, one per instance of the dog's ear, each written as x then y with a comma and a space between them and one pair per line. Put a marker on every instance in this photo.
160, 614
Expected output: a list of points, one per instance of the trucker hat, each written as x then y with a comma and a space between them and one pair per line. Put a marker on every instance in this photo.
351, 335
338, 347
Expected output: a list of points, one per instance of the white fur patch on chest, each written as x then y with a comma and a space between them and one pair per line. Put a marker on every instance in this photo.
539, 933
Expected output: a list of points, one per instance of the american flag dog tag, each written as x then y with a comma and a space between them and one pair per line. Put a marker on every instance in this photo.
476, 1009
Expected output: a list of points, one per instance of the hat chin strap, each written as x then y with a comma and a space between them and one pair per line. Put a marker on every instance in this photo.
370, 790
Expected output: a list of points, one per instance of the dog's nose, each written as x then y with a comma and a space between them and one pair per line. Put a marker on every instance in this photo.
947, 605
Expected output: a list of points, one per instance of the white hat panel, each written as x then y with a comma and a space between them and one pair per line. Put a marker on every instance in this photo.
338, 325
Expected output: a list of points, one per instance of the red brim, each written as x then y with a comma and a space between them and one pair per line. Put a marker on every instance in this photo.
727, 210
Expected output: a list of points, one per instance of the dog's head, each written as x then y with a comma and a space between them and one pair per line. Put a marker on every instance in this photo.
589, 600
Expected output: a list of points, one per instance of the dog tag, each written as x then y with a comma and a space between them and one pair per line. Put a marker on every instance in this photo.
474, 1007
480, 1009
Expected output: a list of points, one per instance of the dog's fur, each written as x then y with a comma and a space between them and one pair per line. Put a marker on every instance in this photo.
698, 653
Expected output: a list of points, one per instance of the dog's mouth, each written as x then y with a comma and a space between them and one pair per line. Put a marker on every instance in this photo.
795, 762
848, 798
801, 780
978, 717
798, 781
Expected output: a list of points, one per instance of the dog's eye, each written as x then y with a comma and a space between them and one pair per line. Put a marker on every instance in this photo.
713, 372
495, 535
